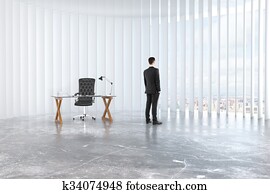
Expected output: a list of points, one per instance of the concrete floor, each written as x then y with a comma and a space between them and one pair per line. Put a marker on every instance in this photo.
183, 147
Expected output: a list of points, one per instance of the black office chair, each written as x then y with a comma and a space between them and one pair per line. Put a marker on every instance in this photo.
86, 87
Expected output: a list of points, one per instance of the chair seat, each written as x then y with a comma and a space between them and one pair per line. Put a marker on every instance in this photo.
84, 101
83, 104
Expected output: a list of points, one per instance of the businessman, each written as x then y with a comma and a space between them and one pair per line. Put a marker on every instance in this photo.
152, 90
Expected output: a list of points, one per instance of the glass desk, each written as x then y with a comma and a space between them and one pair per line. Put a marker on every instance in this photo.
106, 100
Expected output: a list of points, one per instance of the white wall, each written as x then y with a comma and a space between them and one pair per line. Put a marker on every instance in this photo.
46, 46
267, 68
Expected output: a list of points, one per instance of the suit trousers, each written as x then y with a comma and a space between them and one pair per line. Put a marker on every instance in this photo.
152, 100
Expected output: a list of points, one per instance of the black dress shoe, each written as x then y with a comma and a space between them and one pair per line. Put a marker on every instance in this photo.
148, 121
157, 123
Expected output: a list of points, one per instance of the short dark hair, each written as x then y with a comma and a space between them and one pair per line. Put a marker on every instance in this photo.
151, 60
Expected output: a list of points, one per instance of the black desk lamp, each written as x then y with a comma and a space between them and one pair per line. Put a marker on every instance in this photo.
104, 77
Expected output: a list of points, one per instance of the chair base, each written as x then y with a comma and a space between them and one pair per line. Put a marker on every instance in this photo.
83, 116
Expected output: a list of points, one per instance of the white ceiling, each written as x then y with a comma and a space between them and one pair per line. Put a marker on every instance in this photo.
107, 7
132, 8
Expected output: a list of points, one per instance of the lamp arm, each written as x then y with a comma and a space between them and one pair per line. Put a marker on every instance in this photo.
104, 77
109, 81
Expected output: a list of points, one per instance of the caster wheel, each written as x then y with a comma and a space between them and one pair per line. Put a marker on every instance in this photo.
93, 118
82, 119
73, 119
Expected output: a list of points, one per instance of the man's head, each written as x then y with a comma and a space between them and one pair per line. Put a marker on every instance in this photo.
151, 60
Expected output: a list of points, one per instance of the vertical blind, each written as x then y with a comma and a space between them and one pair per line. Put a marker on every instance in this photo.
211, 53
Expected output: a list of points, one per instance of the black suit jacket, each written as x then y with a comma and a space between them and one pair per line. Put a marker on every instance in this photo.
151, 80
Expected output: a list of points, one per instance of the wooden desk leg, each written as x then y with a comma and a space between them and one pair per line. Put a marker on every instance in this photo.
107, 110
58, 116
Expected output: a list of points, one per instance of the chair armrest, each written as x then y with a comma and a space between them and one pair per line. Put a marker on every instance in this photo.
93, 98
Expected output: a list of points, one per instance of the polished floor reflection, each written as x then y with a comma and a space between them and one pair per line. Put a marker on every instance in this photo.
183, 147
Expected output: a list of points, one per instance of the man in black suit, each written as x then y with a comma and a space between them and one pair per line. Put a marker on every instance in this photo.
152, 90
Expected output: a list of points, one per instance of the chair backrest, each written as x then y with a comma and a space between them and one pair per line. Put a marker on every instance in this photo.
87, 86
